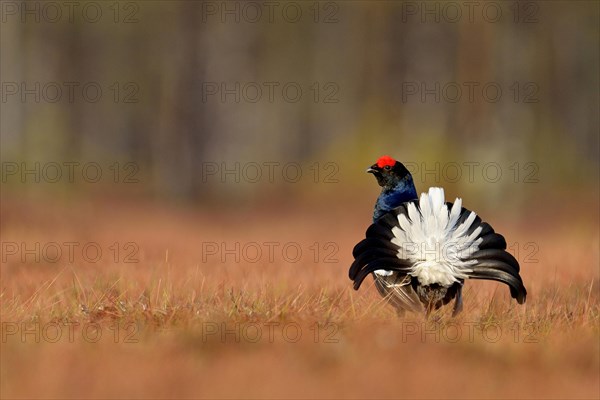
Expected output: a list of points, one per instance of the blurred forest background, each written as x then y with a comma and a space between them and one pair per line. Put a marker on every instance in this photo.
366, 73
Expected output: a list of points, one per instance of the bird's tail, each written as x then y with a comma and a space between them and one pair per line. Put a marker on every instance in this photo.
436, 242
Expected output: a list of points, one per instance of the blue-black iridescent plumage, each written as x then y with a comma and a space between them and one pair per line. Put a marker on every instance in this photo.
398, 187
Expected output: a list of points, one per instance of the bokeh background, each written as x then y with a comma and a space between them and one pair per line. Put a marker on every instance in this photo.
327, 81
200, 116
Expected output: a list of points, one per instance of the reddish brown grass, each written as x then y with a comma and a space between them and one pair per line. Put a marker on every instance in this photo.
176, 326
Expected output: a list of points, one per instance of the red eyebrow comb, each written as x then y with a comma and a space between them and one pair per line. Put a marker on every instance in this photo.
385, 160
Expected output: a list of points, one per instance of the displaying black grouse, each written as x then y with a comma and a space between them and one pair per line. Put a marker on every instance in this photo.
421, 250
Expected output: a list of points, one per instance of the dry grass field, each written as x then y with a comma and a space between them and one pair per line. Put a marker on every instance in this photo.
173, 309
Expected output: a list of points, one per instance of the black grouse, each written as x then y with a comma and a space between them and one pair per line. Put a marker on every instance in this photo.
421, 250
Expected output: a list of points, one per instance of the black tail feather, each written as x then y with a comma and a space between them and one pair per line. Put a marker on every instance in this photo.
380, 232
501, 256
493, 262
387, 263
492, 241
370, 255
517, 289
370, 243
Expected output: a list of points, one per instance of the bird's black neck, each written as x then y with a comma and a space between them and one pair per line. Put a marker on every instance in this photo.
392, 197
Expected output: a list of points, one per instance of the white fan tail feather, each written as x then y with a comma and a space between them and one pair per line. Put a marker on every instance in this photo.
431, 239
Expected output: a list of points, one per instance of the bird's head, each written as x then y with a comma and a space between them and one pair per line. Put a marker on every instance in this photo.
389, 172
